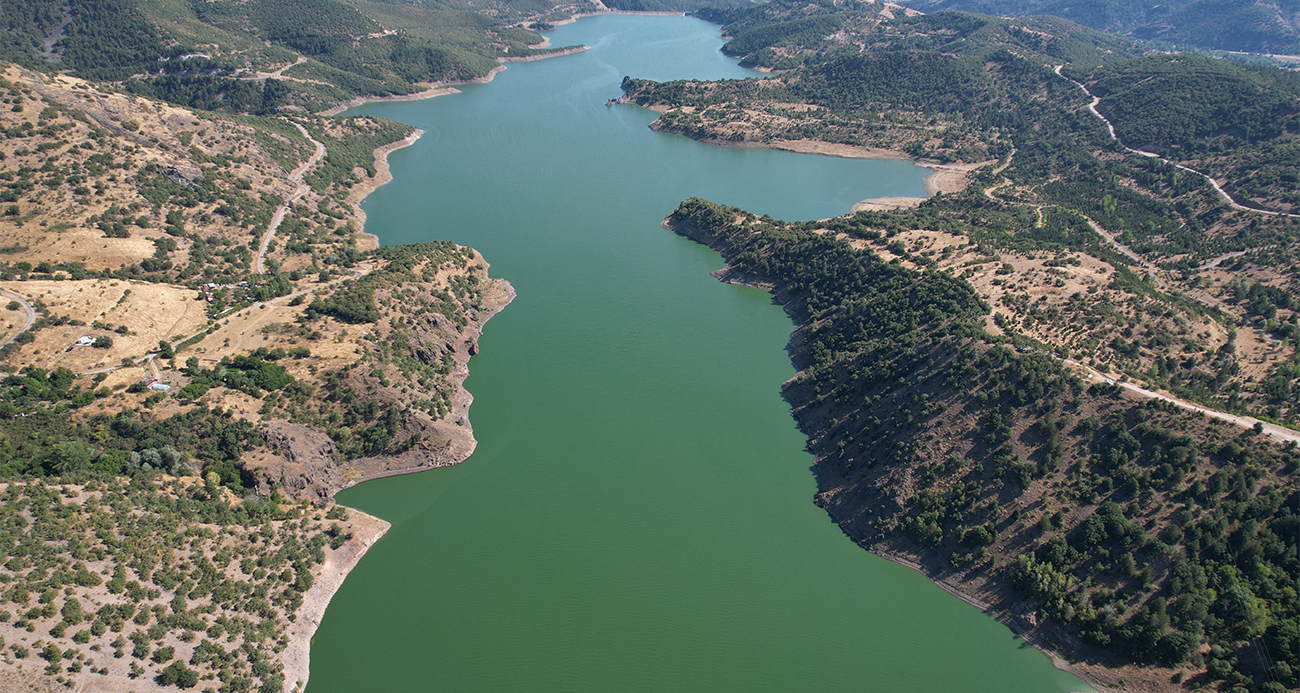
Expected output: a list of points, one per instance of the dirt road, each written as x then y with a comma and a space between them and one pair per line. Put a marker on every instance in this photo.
1215, 184
27, 308
296, 176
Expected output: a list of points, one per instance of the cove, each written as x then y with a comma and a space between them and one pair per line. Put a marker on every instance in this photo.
638, 515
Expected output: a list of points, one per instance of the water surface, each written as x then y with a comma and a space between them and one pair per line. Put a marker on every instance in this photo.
638, 515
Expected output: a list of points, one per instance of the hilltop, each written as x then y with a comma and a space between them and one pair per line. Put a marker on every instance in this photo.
1255, 26
160, 205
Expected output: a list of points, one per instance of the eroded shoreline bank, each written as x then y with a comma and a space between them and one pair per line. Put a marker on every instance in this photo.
801, 359
367, 529
383, 176
942, 179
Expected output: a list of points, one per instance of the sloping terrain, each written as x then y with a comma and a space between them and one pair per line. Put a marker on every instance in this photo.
1255, 26
257, 57
1005, 385
1115, 531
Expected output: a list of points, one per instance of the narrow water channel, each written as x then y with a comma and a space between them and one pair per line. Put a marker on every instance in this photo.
638, 515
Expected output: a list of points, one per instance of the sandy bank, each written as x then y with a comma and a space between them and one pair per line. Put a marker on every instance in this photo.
886, 204
432, 91
449, 87
646, 14
555, 54
383, 175
943, 178
366, 530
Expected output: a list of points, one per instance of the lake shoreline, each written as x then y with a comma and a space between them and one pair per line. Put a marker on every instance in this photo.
448, 87
383, 176
543, 56
366, 531
943, 178
630, 13
497, 294
801, 360
432, 91
729, 278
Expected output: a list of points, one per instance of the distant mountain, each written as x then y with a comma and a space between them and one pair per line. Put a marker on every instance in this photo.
674, 5
207, 53
788, 34
1256, 26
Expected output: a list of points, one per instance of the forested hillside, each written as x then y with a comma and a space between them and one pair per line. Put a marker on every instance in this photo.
785, 34
1120, 532
672, 5
1257, 26
959, 357
223, 55
1240, 124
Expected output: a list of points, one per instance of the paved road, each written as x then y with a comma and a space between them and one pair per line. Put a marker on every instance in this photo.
27, 308
296, 176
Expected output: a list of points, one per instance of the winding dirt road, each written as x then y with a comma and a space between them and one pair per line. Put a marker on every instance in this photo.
27, 308
296, 176
1093, 375
1215, 184
279, 74
1109, 238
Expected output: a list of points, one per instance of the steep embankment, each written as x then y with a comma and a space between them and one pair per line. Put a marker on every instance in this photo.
1092, 523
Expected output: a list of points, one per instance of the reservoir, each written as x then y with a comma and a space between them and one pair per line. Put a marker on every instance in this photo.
638, 515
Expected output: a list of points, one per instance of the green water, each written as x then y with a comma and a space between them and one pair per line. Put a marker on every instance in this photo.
638, 515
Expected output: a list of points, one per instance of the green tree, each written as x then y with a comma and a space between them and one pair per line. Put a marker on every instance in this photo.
177, 674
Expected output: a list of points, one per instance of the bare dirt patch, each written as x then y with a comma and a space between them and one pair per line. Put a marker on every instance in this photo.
151, 312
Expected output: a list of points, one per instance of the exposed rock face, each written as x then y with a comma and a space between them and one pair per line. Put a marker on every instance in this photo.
307, 465
304, 460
